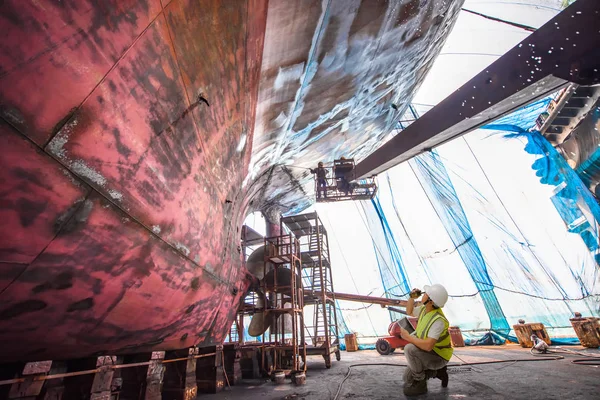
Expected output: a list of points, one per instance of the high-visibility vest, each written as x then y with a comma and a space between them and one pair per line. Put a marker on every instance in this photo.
442, 347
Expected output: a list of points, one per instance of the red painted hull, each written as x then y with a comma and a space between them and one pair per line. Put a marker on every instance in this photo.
127, 132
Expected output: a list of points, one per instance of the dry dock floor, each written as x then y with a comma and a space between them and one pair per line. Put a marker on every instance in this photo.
547, 379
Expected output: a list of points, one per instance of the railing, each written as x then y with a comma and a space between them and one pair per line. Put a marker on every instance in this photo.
332, 185
337, 189
282, 248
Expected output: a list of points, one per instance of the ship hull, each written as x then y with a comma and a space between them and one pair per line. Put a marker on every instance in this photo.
137, 135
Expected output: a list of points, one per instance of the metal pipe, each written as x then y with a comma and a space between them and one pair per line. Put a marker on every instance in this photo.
368, 299
35, 378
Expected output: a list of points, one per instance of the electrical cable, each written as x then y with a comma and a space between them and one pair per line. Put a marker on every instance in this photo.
543, 355
591, 360
595, 355
586, 361
463, 361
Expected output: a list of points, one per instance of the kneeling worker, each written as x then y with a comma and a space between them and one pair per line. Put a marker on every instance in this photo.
429, 348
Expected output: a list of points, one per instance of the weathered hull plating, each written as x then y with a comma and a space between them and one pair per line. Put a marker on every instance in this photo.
126, 137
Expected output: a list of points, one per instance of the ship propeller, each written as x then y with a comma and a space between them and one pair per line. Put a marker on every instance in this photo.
263, 319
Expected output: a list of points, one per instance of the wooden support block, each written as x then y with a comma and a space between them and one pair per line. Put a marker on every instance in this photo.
31, 388
587, 330
154, 378
249, 363
524, 332
117, 380
350, 341
101, 386
191, 387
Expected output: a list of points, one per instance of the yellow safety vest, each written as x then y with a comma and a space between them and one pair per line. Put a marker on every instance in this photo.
442, 347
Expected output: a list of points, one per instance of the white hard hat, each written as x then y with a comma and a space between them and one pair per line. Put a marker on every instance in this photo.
437, 293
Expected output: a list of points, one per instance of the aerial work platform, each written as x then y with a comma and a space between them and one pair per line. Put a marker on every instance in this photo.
331, 184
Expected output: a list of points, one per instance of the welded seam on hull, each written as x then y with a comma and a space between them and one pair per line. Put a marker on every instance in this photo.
187, 95
58, 128
58, 231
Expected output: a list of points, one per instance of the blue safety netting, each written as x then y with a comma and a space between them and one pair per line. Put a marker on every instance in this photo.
501, 220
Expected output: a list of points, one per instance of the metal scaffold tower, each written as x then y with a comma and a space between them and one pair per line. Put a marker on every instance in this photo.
317, 280
273, 306
282, 287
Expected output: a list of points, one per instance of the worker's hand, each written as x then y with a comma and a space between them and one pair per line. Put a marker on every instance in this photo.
415, 293
404, 334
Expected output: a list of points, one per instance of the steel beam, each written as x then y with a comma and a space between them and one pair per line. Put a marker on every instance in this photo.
382, 301
566, 49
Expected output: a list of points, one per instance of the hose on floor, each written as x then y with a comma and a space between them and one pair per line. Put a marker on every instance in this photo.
538, 358
588, 360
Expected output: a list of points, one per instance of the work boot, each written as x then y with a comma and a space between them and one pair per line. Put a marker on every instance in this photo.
442, 374
416, 388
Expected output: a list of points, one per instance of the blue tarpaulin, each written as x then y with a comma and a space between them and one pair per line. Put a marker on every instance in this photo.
501, 220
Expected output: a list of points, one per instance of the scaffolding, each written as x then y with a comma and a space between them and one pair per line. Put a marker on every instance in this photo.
277, 300
282, 287
317, 281
296, 280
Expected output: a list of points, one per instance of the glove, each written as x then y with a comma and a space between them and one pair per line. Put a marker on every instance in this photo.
415, 293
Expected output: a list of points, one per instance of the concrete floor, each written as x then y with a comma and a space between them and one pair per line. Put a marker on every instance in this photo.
548, 379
